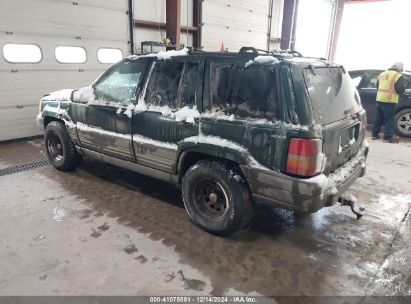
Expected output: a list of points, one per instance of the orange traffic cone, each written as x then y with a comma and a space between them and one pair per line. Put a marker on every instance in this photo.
222, 48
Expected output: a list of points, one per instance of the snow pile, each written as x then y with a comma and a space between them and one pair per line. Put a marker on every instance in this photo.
58, 214
163, 55
218, 115
187, 114
84, 94
61, 95
262, 60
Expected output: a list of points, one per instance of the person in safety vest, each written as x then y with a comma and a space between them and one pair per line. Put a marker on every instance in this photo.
390, 86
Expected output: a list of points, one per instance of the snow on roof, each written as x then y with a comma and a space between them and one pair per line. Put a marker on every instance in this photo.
262, 59
162, 55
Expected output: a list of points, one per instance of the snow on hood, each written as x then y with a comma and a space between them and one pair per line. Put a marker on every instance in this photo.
262, 59
163, 55
61, 95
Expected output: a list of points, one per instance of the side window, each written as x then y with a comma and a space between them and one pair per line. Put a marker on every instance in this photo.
356, 78
371, 81
222, 77
121, 84
162, 87
189, 85
256, 96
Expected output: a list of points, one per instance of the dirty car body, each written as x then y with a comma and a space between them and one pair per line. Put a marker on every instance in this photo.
234, 129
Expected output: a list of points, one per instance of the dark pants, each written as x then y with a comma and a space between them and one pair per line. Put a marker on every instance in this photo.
385, 116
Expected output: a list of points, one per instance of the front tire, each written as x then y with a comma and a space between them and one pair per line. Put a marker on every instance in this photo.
216, 197
402, 122
60, 150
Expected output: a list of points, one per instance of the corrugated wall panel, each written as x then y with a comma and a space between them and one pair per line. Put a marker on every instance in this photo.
236, 23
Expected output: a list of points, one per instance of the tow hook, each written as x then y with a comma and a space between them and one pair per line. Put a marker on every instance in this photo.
352, 202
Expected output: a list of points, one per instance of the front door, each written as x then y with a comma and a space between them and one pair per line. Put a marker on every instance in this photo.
173, 95
104, 124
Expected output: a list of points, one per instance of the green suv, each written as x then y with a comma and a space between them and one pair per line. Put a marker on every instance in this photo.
233, 129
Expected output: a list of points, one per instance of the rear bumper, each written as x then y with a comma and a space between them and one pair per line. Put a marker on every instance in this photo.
304, 195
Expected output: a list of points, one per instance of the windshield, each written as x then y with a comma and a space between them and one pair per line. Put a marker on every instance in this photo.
332, 93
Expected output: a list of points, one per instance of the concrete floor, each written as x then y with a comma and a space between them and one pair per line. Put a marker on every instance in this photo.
105, 231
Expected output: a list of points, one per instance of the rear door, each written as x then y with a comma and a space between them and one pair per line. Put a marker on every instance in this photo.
173, 96
337, 108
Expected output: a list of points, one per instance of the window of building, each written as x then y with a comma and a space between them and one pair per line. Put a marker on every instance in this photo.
162, 88
121, 83
22, 53
109, 55
70, 54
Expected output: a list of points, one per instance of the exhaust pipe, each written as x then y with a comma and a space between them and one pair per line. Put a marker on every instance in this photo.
352, 202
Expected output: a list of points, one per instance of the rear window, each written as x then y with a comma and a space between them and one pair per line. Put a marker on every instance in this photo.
332, 93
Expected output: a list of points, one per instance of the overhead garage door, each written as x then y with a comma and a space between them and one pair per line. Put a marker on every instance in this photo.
235, 23
88, 35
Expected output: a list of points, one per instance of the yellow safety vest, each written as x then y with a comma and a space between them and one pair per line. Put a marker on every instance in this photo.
386, 89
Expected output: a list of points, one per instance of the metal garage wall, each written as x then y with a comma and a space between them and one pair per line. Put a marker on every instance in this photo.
90, 24
155, 11
276, 24
236, 23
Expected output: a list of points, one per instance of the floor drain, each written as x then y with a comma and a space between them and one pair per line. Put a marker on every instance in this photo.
25, 167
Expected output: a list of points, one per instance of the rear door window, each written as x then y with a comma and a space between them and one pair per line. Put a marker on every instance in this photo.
162, 87
222, 78
332, 94
189, 85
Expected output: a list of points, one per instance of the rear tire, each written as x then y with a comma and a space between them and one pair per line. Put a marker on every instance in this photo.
216, 197
402, 122
60, 150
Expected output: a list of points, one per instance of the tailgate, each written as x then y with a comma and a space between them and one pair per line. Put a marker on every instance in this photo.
342, 140
337, 108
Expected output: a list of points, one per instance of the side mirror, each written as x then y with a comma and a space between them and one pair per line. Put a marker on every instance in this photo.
83, 95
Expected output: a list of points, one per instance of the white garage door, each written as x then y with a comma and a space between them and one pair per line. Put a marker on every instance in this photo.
236, 23
86, 35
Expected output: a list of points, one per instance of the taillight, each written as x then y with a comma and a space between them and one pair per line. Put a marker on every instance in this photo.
305, 157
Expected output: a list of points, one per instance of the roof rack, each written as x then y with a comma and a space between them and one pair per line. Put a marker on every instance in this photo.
276, 53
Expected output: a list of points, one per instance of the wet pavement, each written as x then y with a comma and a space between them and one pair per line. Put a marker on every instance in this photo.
105, 231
